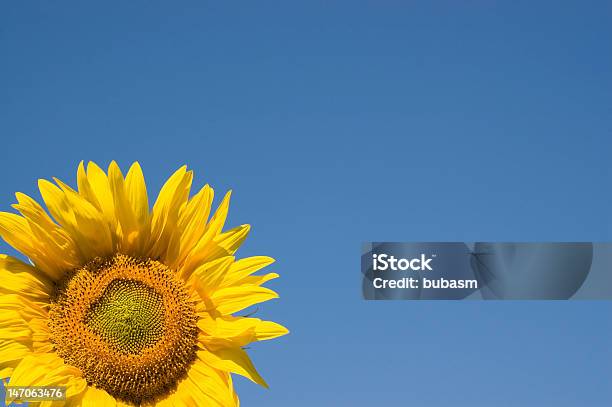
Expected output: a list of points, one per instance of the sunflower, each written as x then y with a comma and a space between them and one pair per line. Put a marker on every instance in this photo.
124, 305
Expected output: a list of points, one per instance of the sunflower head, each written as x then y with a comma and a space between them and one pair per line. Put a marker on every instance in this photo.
124, 304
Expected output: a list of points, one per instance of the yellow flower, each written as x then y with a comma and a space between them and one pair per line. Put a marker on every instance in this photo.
125, 305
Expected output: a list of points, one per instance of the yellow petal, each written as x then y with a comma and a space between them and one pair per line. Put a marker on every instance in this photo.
85, 188
43, 370
41, 335
91, 228
100, 189
212, 273
269, 330
6, 372
171, 199
213, 383
167, 401
258, 280
200, 251
223, 332
20, 278
28, 309
243, 268
79, 217
55, 240
191, 225
231, 240
217, 222
224, 244
189, 393
137, 195
94, 397
229, 331
130, 228
233, 360
15, 329
56, 202
232, 299
15, 230
11, 353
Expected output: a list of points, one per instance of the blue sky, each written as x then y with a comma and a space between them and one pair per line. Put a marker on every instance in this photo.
341, 122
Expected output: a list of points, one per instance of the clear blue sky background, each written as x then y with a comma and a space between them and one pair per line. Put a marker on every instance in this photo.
342, 122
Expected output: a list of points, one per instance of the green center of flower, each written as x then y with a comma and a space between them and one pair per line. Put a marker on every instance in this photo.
128, 324
129, 315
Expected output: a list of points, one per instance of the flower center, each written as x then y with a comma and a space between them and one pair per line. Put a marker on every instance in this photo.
129, 315
127, 324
